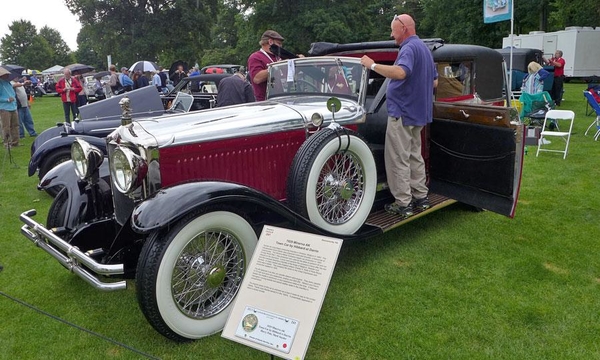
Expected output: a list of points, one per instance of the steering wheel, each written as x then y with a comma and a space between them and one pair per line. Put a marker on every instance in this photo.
311, 85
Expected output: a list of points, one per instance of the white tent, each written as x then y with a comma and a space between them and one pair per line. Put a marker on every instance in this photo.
53, 70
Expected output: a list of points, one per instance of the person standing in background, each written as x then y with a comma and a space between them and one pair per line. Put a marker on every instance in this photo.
25, 119
259, 61
81, 96
234, 90
8, 111
178, 75
559, 76
68, 87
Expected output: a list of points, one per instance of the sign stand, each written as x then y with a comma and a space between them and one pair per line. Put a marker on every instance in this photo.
279, 301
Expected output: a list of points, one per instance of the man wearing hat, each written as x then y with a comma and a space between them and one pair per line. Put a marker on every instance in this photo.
259, 61
8, 111
125, 80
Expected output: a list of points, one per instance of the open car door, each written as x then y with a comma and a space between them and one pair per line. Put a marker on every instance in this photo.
476, 155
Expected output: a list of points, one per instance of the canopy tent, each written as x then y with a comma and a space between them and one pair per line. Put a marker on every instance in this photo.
53, 70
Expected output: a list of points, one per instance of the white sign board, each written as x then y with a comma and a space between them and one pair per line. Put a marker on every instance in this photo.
281, 295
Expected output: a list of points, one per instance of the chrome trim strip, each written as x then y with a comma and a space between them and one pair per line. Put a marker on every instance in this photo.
47, 241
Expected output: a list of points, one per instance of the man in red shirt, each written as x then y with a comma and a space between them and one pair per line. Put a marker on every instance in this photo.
259, 61
68, 87
559, 76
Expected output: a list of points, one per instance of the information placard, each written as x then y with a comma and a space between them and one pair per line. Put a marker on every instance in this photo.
283, 290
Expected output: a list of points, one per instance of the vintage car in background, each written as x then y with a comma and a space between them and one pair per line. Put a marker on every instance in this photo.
202, 87
221, 69
521, 57
97, 120
180, 201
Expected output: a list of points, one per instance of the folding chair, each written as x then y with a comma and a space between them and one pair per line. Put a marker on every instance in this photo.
535, 106
556, 116
596, 108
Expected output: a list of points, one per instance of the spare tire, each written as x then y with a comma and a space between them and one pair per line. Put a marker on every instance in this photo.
332, 180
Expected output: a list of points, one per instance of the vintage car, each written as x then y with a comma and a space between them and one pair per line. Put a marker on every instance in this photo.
180, 201
220, 69
97, 120
521, 57
202, 87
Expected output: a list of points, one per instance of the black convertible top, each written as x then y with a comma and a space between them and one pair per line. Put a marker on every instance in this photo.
326, 48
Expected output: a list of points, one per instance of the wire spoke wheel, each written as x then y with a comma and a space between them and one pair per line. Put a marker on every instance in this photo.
208, 273
333, 180
188, 276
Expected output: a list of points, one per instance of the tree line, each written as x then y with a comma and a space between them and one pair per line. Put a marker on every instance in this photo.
227, 31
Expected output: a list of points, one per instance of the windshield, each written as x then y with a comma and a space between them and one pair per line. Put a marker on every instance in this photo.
323, 75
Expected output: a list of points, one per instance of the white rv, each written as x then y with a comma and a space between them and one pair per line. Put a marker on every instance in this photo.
580, 47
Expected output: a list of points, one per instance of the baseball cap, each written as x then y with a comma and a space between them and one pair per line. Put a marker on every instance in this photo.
271, 34
124, 68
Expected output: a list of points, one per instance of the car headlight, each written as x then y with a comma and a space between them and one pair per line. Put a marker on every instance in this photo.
317, 119
87, 158
127, 169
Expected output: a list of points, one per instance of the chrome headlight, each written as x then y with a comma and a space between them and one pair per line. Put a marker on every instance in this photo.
127, 169
86, 158
317, 119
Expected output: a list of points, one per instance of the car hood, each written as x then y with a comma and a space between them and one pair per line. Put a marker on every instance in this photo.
281, 114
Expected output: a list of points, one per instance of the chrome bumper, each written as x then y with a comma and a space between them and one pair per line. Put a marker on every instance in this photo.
70, 256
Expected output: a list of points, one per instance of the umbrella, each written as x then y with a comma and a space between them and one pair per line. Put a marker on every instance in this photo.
101, 74
143, 66
14, 70
174, 66
77, 69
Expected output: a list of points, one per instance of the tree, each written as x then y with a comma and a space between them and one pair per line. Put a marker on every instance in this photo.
61, 54
132, 30
86, 52
21, 36
24, 46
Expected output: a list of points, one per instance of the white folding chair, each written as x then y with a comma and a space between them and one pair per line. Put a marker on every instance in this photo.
556, 116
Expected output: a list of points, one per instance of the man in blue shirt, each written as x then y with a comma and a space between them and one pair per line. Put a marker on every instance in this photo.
8, 111
410, 108
125, 80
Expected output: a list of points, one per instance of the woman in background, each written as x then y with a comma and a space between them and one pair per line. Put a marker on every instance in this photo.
533, 83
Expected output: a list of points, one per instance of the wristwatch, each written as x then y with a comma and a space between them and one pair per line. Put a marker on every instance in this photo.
373, 66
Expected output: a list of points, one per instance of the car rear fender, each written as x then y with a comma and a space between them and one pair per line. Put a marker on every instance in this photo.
37, 158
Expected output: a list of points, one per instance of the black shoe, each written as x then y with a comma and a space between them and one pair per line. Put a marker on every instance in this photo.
396, 209
421, 204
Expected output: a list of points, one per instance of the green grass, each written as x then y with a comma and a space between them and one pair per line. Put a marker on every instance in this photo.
455, 284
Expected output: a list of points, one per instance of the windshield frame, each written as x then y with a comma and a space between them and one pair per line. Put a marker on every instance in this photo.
351, 77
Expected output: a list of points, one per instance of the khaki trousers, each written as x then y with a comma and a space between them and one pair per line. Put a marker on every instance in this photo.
10, 127
404, 165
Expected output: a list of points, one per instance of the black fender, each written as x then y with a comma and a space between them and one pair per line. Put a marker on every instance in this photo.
58, 142
171, 204
80, 201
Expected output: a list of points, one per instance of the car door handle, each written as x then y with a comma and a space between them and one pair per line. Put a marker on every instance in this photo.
465, 114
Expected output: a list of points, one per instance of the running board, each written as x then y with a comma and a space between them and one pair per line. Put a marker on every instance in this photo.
386, 221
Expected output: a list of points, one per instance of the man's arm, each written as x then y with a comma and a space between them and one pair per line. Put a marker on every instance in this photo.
389, 71
261, 76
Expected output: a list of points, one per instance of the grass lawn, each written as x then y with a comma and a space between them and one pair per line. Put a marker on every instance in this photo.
455, 284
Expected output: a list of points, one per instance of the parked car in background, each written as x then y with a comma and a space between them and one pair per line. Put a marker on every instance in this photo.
91, 91
520, 60
202, 87
220, 69
53, 146
180, 201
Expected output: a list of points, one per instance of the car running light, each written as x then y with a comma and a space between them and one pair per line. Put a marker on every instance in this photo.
127, 169
316, 119
86, 158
